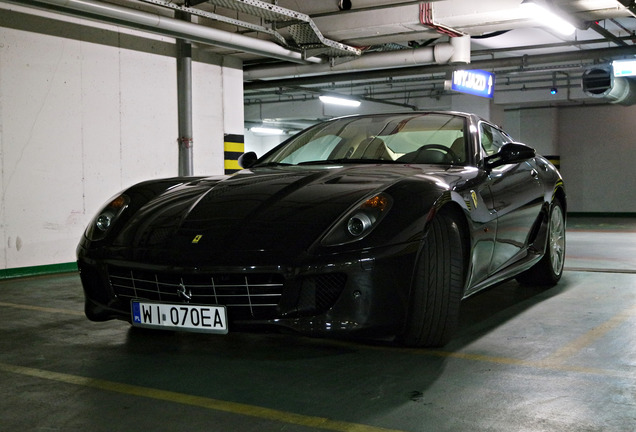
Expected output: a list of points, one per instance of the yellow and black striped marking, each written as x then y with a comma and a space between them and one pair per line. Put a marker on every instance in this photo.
234, 146
554, 160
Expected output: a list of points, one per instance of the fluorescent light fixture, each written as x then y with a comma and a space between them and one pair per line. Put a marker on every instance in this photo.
547, 18
334, 100
267, 130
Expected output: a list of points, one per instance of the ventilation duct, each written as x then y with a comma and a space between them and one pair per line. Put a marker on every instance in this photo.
456, 51
600, 82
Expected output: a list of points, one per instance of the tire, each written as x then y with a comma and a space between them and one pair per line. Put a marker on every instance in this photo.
437, 286
548, 271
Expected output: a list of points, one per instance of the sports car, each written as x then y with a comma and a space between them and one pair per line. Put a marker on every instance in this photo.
364, 226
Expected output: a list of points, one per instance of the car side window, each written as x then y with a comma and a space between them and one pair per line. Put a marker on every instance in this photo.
491, 139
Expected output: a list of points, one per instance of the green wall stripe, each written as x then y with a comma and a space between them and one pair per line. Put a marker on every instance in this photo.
37, 270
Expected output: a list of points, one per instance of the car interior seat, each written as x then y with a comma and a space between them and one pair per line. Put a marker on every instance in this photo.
459, 149
372, 148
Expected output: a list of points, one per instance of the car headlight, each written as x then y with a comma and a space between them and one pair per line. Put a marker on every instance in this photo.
104, 220
360, 221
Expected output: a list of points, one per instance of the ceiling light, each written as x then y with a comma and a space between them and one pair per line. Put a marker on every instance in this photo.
546, 17
334, 100
267, 130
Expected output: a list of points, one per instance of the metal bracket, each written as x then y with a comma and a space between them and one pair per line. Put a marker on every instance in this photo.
302, 28
221, 18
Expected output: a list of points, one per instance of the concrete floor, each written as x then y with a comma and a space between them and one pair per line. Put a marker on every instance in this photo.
524, 359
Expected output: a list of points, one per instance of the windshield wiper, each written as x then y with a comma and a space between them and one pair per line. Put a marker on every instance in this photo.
324, 162
270, 164
347, 161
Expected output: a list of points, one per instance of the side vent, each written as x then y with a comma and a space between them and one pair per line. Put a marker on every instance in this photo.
600, 82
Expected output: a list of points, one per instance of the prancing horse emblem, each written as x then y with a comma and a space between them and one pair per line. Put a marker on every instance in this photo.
473, 194
184, 293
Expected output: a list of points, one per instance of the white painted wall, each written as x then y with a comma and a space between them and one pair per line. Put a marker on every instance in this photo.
217, 107
536, 127
261, 144
85, 111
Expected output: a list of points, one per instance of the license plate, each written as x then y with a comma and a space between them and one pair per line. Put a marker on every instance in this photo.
193, 318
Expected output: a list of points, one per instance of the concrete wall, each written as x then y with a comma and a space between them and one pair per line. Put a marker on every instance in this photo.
536, 127
85, 111
261, 144
598, 157
597, 148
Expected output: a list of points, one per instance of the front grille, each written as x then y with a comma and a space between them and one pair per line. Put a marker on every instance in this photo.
246, 296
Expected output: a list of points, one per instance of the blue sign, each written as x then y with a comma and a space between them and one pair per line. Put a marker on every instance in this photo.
136, 312
476, 82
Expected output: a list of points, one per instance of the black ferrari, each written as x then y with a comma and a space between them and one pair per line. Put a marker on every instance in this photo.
362, 226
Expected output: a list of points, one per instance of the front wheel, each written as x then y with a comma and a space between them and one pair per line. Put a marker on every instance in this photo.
548, 271
437, 285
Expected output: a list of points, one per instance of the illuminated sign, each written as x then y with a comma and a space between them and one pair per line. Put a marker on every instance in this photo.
476, 82
624, 68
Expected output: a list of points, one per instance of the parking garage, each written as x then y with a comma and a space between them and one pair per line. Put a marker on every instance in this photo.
97, 96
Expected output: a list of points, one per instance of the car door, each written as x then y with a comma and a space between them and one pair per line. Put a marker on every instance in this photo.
516, 197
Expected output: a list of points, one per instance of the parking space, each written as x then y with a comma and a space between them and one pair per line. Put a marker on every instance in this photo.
305, 164
524, 359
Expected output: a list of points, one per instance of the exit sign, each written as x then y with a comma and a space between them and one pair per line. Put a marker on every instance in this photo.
624, 68
476, 82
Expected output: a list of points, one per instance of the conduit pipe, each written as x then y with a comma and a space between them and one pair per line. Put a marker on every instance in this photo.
184, 107
455, 51
166, 26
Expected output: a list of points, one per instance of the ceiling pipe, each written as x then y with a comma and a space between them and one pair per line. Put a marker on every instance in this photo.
508, 62
165, 26
455, 51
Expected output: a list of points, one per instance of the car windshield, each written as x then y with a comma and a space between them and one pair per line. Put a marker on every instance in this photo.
424, 138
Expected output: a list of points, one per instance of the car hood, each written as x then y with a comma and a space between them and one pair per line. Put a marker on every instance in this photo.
279, 210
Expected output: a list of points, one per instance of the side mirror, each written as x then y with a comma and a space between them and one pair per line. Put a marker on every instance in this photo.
247, 160
510, 153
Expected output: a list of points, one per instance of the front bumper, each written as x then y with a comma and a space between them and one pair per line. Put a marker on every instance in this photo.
357, 293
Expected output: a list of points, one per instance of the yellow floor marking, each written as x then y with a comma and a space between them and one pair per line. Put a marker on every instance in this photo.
574, 347
554, 362
197, 401
529, 364
43, 309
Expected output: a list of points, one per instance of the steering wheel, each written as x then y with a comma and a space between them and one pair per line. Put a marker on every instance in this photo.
450, 156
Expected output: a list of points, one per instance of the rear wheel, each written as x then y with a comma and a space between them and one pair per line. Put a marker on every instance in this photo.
437, 285
548, 271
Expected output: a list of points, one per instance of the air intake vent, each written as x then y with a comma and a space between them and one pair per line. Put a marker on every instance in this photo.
247, 296
597, 81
